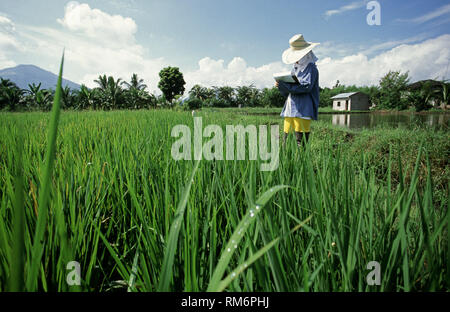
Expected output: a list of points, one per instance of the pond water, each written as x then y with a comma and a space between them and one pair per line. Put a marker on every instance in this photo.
394, 120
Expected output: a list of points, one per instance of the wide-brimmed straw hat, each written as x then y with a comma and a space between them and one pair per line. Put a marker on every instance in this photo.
299, 48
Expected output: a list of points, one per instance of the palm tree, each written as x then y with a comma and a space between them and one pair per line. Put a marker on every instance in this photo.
247, 95
199, 92
102, 82
6, 83
11, 97
85, 98
227, 94
10, 94
34, 94
135, 83
37, 97
110, 91
135, 95
67, 97
115, 92
44, 99
33, 88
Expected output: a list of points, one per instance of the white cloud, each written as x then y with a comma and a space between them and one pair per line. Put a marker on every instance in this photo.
345, 8
335, 49
8, 43
98, 25
5, 62
393, 43
443, 10
425, 60
6, 23
428, 59
236, 73
95, 43
85, 33
7, 29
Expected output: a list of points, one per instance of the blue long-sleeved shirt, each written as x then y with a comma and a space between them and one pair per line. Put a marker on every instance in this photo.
304, 96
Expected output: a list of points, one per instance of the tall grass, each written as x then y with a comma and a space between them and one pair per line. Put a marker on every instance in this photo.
137, 220
44, 194
17, 255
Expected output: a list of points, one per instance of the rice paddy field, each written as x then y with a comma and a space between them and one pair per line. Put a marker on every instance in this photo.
113, 200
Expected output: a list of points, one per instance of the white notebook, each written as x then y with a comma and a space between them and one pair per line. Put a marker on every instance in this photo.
285, 77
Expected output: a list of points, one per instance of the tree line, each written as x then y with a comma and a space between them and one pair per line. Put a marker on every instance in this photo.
393, 92
109, 94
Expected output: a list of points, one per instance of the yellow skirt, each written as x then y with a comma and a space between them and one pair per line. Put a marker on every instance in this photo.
299, 124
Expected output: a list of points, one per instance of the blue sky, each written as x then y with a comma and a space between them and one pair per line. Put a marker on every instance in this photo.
225, 42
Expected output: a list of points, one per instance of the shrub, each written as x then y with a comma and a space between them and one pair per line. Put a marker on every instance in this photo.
391, 87
193, 103
272, 97
214, 102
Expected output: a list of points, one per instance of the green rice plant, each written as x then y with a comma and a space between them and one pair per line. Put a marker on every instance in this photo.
220, 286
169, 254
238, 234
16, 280
114, 195
44, 194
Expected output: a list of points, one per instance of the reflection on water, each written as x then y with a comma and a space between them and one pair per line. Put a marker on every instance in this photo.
371, 120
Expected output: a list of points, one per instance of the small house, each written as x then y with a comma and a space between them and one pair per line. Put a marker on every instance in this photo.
351, 101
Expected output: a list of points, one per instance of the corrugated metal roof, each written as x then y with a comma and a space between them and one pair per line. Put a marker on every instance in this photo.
344, 95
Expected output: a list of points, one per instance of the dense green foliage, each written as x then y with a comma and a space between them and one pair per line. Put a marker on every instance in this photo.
111, 94
394, 93
136, 219
171, 82
243, 96
108, 95
272, 97
391, 87
10, 95
422, 97
193, 103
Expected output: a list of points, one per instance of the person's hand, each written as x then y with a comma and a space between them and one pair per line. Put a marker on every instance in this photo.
276, 84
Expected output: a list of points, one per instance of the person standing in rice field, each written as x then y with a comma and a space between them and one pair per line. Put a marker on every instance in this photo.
302, 103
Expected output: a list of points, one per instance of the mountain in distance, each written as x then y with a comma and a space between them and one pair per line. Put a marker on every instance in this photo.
23, 75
